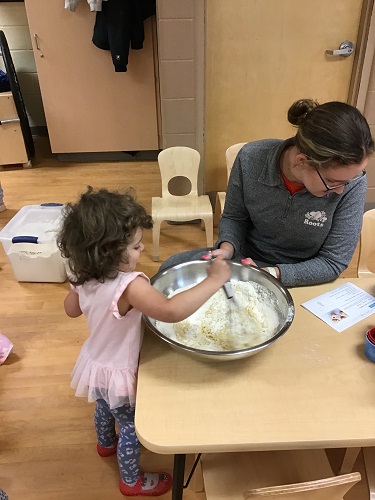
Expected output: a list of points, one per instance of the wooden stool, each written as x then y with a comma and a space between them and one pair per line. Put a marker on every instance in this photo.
293, 474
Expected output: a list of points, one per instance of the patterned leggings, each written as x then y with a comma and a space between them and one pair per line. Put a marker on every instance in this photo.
128, 447
3, 495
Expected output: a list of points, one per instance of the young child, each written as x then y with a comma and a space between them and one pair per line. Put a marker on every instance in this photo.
101, 237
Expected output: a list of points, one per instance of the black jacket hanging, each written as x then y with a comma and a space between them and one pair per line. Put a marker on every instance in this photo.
119, 27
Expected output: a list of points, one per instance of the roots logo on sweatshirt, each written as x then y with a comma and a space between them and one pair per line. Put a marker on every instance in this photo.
317, 218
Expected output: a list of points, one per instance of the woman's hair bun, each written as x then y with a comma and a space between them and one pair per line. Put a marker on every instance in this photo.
299, 110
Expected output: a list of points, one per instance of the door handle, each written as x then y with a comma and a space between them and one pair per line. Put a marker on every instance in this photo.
345, 50
37, 44
11, 120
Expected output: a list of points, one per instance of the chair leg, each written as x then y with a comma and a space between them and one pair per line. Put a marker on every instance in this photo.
197, 481
348, 462
155, 240
209, 226
217, 212
369, 456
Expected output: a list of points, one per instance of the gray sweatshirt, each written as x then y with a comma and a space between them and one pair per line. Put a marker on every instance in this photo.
310, 239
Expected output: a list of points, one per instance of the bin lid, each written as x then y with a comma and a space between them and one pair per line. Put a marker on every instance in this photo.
34, 223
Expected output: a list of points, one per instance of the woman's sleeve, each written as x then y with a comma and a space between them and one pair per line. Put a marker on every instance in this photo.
337, 250
235, 220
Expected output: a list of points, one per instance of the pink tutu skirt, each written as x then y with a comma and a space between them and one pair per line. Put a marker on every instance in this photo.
95, 381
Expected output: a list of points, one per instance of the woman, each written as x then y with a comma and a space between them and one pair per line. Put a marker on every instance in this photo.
295, 207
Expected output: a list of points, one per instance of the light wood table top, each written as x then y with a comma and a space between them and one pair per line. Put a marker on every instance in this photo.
312, 388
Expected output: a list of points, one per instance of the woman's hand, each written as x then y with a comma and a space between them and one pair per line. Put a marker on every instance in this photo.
248, 262
225, 251
274, 271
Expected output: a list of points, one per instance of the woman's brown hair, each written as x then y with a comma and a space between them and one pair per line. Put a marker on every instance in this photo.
333, 133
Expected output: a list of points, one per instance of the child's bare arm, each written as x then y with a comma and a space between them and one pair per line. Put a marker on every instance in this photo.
71, 305
144, 297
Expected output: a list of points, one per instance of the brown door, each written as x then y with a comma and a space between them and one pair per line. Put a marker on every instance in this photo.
262, 56
88, 106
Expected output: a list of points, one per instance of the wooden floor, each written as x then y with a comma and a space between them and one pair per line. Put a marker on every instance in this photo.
47, 439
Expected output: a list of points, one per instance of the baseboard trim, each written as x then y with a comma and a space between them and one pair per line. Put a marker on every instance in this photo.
150, 155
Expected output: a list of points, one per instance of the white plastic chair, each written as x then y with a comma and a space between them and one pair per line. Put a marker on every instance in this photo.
369, 457
173, 162
285, 475
367, 244
230, 156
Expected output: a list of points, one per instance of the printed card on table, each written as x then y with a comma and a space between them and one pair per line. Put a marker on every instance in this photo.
342, 307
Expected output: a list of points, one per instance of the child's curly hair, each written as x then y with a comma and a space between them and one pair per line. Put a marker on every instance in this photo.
96, 232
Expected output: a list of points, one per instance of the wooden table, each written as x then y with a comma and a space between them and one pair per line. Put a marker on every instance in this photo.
313, 388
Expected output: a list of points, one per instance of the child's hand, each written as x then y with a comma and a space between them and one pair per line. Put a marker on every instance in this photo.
219, 270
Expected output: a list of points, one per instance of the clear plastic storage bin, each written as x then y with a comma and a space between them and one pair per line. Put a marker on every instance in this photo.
29, 241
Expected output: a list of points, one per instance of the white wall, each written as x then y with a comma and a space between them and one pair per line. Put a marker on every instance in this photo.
13, 22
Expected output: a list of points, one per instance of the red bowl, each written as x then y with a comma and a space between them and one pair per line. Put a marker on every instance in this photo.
371, 335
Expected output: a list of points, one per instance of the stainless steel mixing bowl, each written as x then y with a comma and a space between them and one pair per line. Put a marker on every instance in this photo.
189, 273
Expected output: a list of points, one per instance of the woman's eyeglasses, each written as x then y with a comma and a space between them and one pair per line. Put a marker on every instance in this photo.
331, 188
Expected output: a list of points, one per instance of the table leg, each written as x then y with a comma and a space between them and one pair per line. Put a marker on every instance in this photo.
178, 477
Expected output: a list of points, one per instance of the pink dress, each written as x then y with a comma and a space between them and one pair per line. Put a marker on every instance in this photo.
107, 365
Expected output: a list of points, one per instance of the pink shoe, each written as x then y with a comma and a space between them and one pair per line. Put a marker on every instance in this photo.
5, 347
145, 487
103, 451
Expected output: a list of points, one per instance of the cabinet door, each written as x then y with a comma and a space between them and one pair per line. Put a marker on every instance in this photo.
89, 107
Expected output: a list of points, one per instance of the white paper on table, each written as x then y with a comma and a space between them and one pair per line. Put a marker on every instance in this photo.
342, 307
